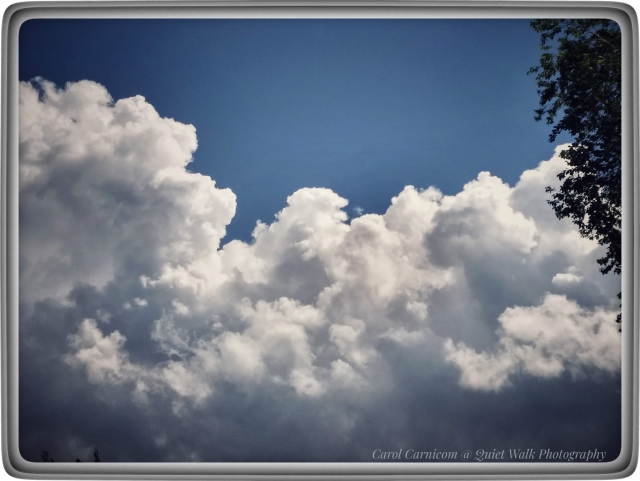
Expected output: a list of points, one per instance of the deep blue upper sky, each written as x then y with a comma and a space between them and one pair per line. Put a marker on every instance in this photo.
363, 107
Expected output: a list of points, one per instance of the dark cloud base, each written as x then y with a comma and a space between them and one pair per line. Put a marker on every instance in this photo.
61, 413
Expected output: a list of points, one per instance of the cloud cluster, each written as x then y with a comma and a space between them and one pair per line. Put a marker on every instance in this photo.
485, 287
104, 185
541, 341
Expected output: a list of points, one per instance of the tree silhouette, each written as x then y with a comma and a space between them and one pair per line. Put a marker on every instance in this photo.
579, 84
47, 459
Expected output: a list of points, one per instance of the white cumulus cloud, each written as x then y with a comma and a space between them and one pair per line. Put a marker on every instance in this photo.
312, 303
542, 341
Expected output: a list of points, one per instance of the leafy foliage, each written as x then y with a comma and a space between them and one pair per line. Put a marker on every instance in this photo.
579, 82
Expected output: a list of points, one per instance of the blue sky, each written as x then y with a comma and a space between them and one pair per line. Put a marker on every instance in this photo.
363, 107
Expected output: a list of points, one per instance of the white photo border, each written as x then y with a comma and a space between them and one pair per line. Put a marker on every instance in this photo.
17, 14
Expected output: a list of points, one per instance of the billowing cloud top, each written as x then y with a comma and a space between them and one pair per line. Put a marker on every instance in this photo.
126, 287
